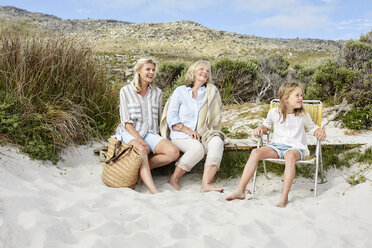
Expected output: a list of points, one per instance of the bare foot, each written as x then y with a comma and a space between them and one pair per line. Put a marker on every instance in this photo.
174, 183
282, 203
154, 191
236, 195
210, 187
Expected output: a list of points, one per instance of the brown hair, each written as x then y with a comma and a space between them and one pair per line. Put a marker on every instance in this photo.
284, 91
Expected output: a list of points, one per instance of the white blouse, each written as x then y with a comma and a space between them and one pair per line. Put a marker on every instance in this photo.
291, 132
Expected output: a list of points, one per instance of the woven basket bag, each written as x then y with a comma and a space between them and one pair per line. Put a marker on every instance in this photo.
122, 165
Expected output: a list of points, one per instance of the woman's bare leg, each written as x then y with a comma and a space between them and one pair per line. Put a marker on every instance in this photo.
165, 153
208, 175
173, 180
144, 171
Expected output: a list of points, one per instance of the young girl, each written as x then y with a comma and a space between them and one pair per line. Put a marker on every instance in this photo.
289, 139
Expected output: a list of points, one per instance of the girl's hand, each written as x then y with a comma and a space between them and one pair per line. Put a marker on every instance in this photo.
320, 134
259, 131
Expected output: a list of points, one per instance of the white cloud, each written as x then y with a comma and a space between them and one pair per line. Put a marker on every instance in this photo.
151, 5
263, 5
297, 18
330, 1
117, 4
355, 24
83, 11
295, 22
176, 7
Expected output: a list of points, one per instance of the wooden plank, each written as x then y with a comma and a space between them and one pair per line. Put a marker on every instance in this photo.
102, 148
228, 147
241, 145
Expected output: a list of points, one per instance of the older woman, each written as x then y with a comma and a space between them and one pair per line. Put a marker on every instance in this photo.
140, 112
193, 115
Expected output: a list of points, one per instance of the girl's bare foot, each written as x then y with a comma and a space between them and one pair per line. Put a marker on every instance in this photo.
210, 187
174, 183
236, 195
282, 203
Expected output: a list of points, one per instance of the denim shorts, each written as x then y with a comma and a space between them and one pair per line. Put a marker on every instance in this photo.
281, 149
151, 139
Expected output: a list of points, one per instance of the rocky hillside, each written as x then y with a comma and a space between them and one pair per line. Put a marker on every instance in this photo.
183, 39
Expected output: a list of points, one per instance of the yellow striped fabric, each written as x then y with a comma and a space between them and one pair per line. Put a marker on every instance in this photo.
314, 108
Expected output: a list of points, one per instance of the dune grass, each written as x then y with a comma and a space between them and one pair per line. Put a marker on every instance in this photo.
53, 93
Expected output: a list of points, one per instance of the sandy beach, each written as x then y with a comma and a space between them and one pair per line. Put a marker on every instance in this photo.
43, 205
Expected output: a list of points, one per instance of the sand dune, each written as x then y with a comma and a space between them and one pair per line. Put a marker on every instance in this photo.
42, 205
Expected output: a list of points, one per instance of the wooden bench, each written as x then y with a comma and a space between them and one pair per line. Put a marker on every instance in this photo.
231, 145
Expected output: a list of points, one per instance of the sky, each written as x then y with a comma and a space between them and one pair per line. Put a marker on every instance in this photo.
319, 19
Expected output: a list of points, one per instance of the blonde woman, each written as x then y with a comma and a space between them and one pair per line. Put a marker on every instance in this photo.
140, 112
192, 117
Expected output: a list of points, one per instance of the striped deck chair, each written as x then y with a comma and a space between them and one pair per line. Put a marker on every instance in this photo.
314, 108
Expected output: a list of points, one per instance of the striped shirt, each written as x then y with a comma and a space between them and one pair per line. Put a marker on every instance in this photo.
144, 113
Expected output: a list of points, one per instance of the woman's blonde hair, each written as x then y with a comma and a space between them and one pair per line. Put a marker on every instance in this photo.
284, 91
189, 78
136, 82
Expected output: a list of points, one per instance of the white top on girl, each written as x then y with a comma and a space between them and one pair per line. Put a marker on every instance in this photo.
292, 131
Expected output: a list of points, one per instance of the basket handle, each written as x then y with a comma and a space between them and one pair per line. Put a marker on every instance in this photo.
115, 157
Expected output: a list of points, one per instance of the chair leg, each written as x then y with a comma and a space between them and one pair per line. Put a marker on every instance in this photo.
264, 164
254, 182
316, 179
321, 166
259, 144
317, 152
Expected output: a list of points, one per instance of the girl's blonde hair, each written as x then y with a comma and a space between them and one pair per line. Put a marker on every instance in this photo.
136, 82
189, 78
284, 91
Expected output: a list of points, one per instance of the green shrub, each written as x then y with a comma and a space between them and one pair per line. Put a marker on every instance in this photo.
54, 93
236, 80
168, 74
356, 179
178, 82
330, 81
274, 64
366, 156
356, 54
366, 38
225, 130
272, 72
358, 118
305, 74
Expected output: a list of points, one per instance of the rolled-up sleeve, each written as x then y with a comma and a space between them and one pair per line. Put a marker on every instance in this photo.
173, 110
310, 126
123, 109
